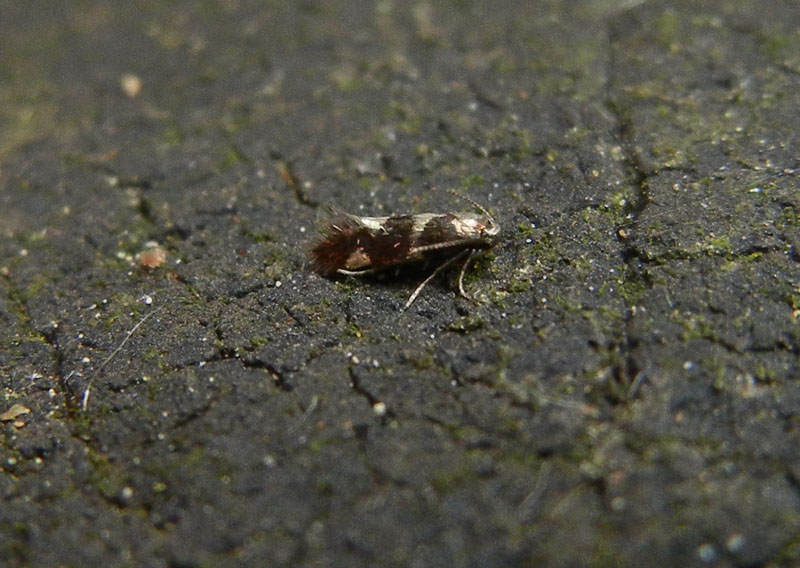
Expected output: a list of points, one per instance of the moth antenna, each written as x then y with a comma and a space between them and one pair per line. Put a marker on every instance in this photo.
475, 204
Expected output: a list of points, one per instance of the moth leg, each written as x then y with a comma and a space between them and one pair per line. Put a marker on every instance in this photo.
358, 272
439, 268
461, 275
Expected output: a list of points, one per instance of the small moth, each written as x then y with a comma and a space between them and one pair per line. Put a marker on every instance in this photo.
357, 246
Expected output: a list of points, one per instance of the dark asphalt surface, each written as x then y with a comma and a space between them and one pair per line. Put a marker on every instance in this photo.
623, 391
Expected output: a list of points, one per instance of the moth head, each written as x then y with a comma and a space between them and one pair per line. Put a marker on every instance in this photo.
483, 225
480, 226
488, 226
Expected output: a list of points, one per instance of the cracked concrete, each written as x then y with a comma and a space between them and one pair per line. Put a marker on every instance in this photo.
623, 392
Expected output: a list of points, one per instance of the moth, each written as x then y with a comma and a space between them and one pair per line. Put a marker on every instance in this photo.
352, 245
